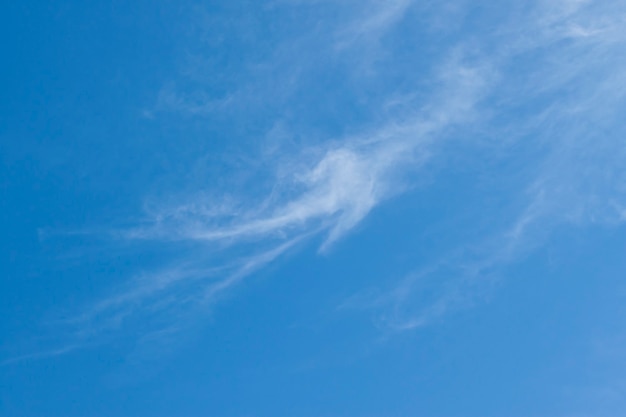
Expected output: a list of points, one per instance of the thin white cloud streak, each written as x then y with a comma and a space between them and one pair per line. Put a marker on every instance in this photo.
332, 191
331, 195
41, 355
583, 170
457, 281
378, 17
200, 104
339, 189
579, 86
248, 267
192, 283
155, 305
350, 30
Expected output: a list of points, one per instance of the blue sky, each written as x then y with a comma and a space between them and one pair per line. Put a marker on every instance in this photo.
313, 208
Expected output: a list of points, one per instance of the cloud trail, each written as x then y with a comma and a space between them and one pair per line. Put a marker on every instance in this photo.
565, 58
324, 195
577, 82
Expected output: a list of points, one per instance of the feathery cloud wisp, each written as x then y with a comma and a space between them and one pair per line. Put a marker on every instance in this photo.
573, 78
328, 189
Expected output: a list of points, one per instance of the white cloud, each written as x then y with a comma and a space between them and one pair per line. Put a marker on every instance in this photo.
377, 18
326, 189
330, 188
573, 81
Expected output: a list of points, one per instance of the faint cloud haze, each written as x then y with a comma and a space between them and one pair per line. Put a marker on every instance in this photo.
565, 57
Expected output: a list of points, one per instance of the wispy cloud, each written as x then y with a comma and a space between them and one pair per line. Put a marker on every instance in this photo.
324, 190
562, 59
573, 81
376, 19
41, 354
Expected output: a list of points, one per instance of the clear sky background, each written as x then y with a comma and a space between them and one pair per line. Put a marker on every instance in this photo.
313, 208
